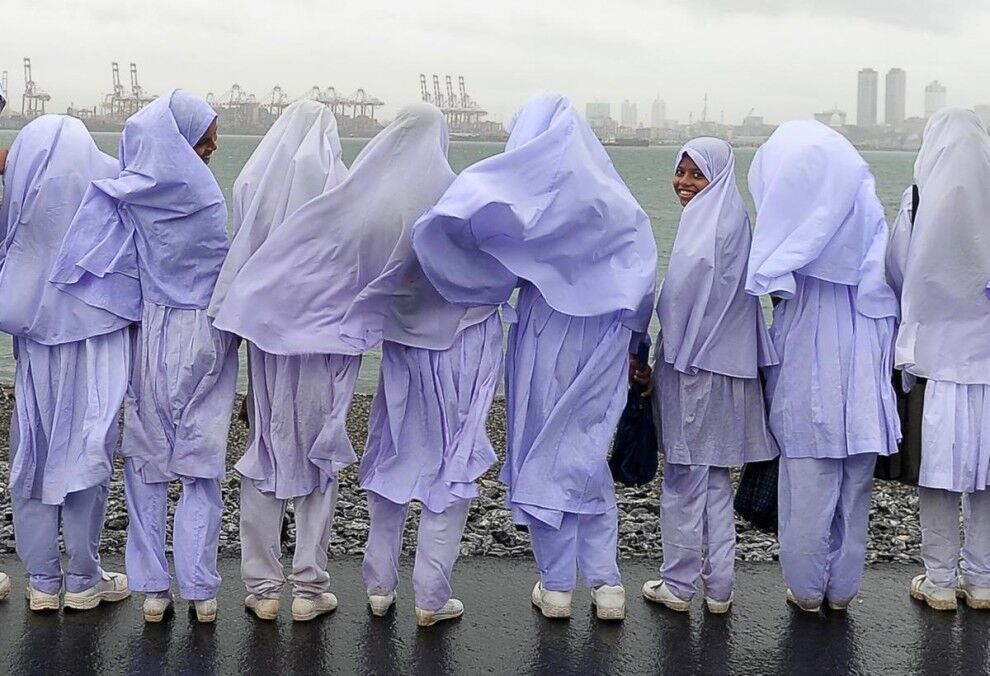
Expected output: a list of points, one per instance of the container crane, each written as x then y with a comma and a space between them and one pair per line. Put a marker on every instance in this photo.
34, 98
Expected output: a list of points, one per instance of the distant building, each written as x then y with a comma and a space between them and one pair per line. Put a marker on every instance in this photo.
834, 118
598, 114
935, 97
630, 115
983, 110
658, 114
895, 97
866, 98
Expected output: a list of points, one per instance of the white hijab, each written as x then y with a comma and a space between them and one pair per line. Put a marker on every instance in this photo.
945, 298
304, 290
298, 159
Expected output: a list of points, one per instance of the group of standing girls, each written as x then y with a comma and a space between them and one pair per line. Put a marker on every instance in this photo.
119, 286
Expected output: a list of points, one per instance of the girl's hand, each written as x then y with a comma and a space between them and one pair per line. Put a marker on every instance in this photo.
641, 374
3, 159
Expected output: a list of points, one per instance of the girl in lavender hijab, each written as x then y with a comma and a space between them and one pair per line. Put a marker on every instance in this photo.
298, 404
160, 239
551, 216
819, 247
707, 391
939, 262
72, 367
332, 281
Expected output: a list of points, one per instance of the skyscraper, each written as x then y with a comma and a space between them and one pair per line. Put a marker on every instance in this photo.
935, 97
658, 114
598, 114
630, 116
866, 98
895, 96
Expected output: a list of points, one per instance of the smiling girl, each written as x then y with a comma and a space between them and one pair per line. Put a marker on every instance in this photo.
707, 391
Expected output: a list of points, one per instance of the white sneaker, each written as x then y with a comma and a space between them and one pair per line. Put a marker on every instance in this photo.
40, 601
427, 618
553, 604
840, 606
610, 602
938, 598
263, 608
112, 588
306, 609
206, 610
4, 586
802, 605
156, 606
657, 591
718, 607
380, 604
977, 598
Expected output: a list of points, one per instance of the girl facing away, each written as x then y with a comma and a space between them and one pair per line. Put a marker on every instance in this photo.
819, 246
147, 245
297, 404
707, 391
939, 263
73, 360
552, 217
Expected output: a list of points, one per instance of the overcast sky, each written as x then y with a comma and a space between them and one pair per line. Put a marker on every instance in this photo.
785, 58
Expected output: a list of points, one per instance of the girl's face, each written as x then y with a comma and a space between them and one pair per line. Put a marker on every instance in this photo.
688, 180
208, 144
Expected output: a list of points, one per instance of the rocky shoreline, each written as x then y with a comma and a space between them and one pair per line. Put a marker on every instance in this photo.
894, 531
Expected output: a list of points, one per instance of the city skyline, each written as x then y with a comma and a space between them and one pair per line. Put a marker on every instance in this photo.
508, 51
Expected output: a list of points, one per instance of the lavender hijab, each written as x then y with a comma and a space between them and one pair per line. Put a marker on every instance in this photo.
157, 231
297, 160
817, 215
708, 322
550, 210
51, 164
945, 298
306, 285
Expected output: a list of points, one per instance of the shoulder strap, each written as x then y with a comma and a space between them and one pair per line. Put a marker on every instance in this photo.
915, 199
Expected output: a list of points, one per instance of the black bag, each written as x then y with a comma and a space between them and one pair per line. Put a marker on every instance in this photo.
635, 451
756, 498
905, 466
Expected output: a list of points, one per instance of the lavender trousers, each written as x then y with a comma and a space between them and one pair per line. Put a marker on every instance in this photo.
437, 548
36, 527
261, 546
195, 535
945, 561
823, 518
698, 530
585, 541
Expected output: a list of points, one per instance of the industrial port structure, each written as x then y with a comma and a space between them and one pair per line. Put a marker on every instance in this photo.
239, 110
464, 116
242, 112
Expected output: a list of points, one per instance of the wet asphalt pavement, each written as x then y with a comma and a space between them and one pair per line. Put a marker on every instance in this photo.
884, 633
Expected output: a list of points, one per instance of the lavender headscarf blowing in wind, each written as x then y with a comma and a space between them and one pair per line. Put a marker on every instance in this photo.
551, 216
707, 395
160, 229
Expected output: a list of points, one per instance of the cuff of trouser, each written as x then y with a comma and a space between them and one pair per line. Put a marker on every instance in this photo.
198, 593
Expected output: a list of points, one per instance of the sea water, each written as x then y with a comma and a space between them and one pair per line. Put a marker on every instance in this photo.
647, 172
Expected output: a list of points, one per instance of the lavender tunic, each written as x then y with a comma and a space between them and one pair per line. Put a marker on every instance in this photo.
148, 245
819, 245
299, 403
940, 266
713, 338
552, 215
72, 358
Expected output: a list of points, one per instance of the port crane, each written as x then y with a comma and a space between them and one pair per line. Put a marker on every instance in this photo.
462, 112
34, 98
